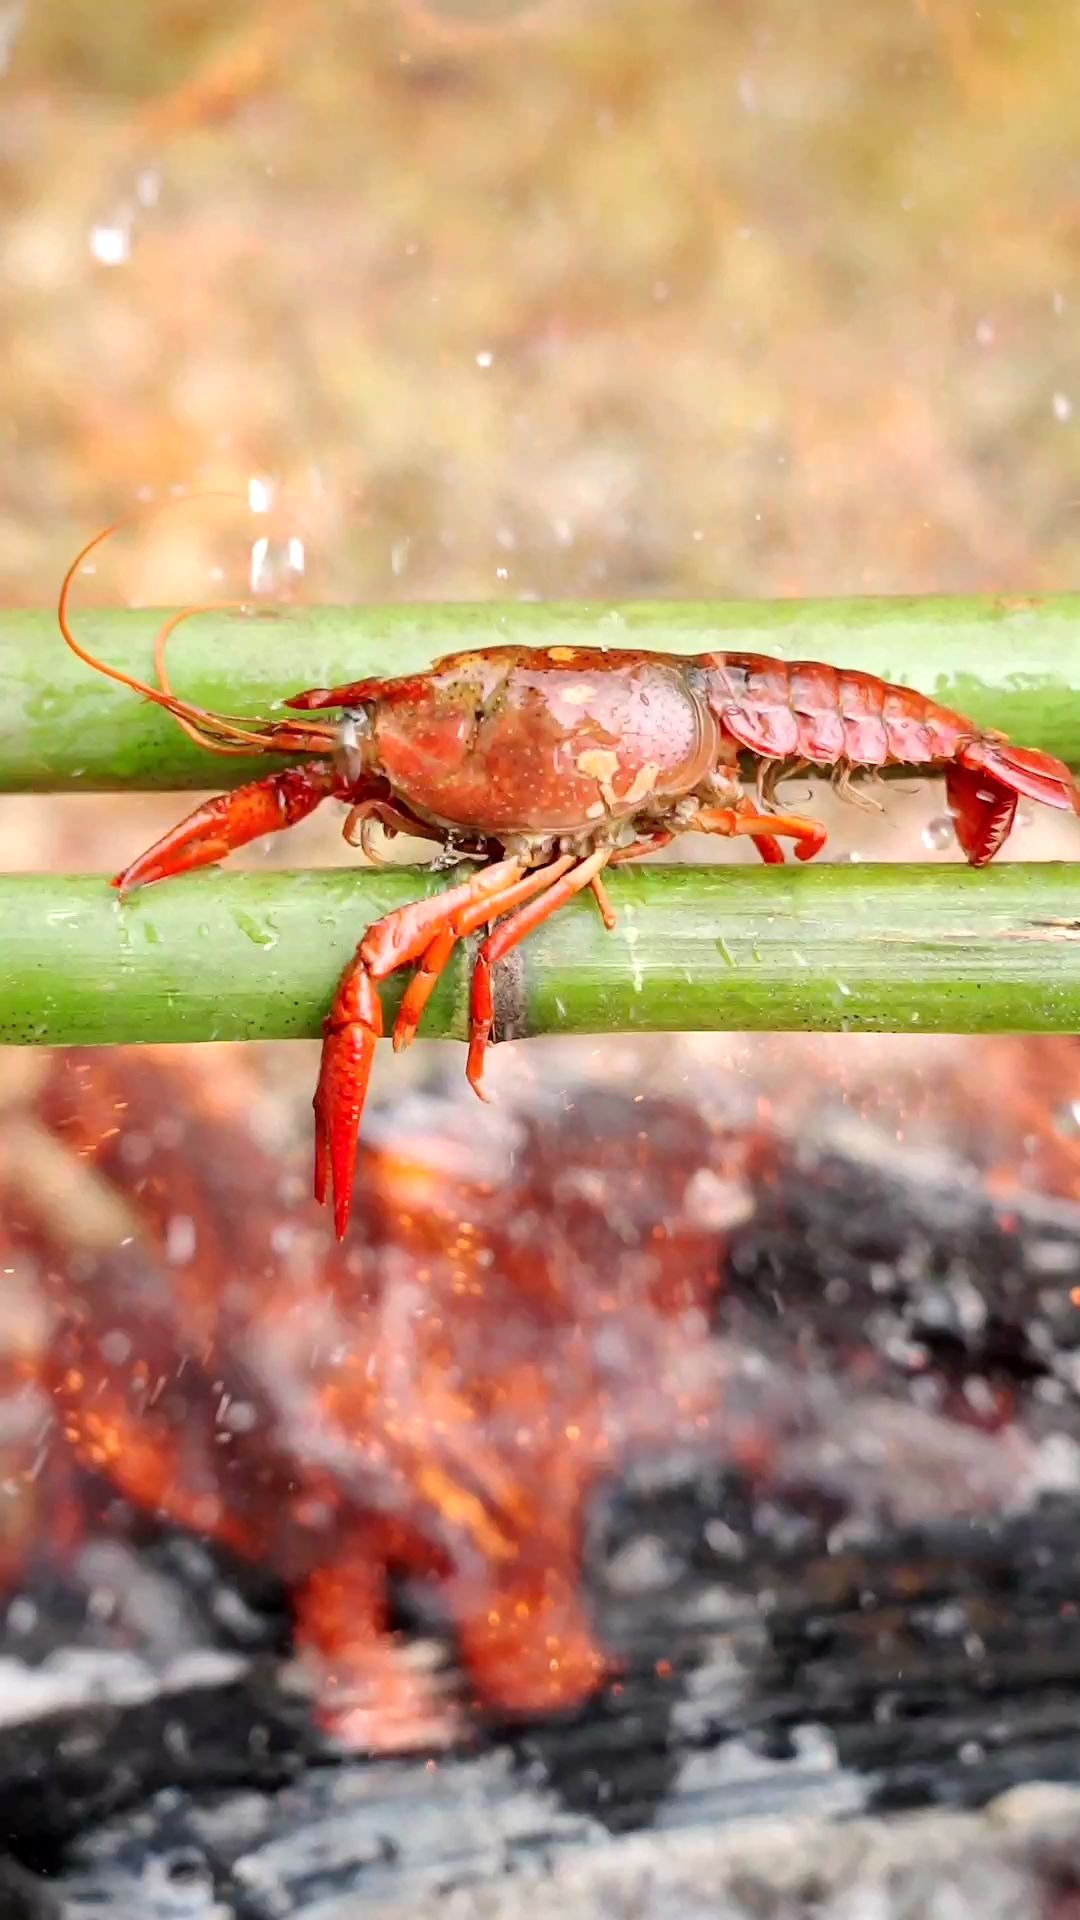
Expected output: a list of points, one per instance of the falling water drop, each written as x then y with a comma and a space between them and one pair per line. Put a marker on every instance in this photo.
110, 241
148, 186
111, 238
261, 493
276, 564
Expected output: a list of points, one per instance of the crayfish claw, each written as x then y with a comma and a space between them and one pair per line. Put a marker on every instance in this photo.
230, 820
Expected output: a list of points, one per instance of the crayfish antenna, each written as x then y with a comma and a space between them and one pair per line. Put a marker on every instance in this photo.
219, 733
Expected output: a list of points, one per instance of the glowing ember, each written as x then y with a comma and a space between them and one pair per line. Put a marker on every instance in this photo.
522, 1306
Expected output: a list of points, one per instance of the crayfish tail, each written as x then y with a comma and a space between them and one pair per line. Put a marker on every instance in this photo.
1025, 770
985, 784
983, 812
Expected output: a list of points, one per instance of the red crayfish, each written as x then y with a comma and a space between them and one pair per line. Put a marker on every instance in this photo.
546, 766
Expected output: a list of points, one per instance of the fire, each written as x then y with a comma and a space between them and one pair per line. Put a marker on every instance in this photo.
523, 1304
527, 1302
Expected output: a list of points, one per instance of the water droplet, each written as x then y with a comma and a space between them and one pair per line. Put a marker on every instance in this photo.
1067, 1119
110, 242
148, 186
262, 936
261, 492
485, 358
746, 89
136, 1149
180, 1239
240, 1416
22, 1616
1062, 407
984, 333
275, 564
939, 833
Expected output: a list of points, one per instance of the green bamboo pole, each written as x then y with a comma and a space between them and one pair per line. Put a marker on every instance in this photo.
1008, 663
256, 956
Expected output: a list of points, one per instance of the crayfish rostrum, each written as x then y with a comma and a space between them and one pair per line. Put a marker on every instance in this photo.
546, 766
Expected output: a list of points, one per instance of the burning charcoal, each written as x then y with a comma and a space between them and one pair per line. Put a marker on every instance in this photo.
645, 1438
435, 1404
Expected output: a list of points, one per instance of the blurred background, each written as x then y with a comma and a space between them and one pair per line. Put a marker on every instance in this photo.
550, 298
592, 297
586, 298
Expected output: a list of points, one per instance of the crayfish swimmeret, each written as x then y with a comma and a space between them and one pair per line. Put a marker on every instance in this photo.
546, 766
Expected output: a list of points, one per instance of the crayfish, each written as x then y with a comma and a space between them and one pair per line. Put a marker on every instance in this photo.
547, 766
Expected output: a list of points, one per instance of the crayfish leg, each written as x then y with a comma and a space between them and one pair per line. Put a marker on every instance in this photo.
465, 920
603, 900
355, 1022
232, 820
561, 887
763, 828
